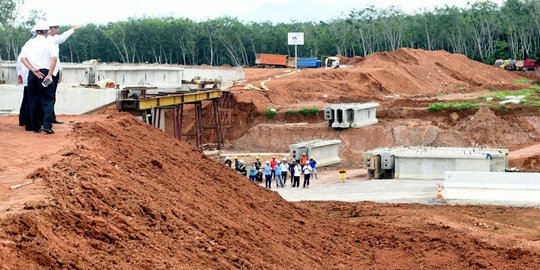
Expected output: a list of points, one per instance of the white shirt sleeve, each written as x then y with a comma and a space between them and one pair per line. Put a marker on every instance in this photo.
59, 39
54, 50
20, 65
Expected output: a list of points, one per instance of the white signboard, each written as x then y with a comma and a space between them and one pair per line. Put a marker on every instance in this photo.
296, 38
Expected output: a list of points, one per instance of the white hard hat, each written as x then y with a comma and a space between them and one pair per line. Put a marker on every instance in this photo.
267, 162
53, 23
241, 161
41, 26
227, 157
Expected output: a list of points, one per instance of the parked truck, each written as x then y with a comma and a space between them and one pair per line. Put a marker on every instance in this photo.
271, 60
308, 63
527, 64
510, 64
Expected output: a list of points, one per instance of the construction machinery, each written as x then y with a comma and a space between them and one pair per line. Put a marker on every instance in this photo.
331, 62
271, 60
524, 65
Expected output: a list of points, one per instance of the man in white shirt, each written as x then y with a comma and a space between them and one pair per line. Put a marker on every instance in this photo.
40, 57
58, 39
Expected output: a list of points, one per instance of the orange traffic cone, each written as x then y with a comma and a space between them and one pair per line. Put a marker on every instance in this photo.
439, 192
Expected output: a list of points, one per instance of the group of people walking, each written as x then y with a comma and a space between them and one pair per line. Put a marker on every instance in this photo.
38, 69
277, 170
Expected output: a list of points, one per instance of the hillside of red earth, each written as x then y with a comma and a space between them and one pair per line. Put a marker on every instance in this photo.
124, 195
404, 72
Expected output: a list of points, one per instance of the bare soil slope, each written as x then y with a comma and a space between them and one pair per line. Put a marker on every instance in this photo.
403, 72
126, 195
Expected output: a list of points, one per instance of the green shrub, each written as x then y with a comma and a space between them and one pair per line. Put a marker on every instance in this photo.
452, 106
309, 111
270, 112
304, 111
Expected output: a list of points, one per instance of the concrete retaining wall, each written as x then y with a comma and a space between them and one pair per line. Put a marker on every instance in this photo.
69, 100
497, 188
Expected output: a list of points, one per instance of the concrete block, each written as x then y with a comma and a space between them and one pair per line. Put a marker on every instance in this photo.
431, 162
497, 188
325, 152
167, 77
69, 100
355, 115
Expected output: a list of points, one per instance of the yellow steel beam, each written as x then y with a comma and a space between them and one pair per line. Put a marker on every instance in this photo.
177, 99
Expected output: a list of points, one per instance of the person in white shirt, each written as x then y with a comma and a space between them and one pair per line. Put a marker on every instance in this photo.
284, 169
22, 74
297, 173
40, 57
307, 174
58, 39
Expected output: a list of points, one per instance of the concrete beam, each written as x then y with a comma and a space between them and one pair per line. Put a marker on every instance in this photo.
496, 188
69, 100
325, 152
355, 115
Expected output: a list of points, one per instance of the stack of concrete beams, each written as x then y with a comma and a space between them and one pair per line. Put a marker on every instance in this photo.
430, 163
75, 97
350, 115
325, 152
162, 76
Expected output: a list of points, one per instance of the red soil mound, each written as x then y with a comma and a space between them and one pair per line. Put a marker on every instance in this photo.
129, 196
404, 72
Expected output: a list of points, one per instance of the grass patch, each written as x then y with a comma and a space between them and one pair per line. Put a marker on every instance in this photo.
452, 106
270, 112
304, 111
534, 103
522, 92
309, 111
522, 81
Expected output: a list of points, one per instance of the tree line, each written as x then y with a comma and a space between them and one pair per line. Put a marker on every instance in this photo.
483, 31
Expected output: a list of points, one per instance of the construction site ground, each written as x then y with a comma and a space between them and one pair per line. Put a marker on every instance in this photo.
108, 191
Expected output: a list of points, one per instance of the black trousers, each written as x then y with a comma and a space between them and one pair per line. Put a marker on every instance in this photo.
268, 182
284, 177
55, 82
306, 179
296, 181
24, 117
40, 99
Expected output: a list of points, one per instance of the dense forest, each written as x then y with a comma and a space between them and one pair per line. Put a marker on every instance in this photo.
483, 31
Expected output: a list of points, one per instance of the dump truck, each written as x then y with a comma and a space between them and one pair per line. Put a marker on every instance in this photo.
510, 64
527, 64
308, 63
271, 60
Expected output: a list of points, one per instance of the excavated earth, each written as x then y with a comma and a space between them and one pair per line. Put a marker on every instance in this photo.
404, 82
120, 194
108, 191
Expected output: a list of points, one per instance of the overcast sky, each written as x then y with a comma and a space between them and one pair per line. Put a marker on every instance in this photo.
73, 12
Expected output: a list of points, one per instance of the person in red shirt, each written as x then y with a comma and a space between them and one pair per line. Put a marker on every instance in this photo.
273, 164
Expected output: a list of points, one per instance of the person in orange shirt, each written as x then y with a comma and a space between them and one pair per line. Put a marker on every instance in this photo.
303, 160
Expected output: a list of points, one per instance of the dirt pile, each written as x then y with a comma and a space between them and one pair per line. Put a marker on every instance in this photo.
355, 60
129, 196
405, 72
485, 128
